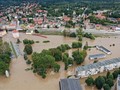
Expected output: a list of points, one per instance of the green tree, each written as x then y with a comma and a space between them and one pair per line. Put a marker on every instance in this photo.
108, 73
56, 67
57, 54
3, 67
110, 76
79, 37
18, 41
80, 32
66, 65
99, 82
115, 74
79, 56
73, 34
28, 49
110, 82
106, 87
70, 61
89, 81
76, 45
25, 57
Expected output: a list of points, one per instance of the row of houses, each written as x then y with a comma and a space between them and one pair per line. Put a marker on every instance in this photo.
95, 68
118, 83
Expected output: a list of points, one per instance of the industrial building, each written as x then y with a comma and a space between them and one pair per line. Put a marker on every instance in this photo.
70, 84
103, 49
95, 68
97, 56
118, 83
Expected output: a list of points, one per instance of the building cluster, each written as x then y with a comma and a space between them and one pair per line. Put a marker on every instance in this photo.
95, 68
32, 14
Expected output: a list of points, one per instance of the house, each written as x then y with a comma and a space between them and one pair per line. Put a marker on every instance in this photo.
118, 83
15, 33
66, 19
95, 68
2, 32
70, 84
98, 27
97, 56
100, 16
29, 32
117, 28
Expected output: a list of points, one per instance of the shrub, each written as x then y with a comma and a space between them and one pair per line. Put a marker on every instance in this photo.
73, 34
28, 62
76, 45
25, 57
28, 49
26, 41
47, 41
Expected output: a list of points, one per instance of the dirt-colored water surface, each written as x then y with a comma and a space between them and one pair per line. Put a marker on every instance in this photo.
21, 79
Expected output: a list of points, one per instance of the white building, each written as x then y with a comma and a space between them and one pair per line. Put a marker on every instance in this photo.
118, 83
15, 33
95, 68
2, 32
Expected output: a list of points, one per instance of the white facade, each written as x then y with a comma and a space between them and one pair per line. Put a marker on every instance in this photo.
15, 34
99, 67
2, 33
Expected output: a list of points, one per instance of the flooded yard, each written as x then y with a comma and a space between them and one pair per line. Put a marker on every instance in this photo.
21, 79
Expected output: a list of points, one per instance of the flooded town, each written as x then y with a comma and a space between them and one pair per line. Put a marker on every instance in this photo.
66, 46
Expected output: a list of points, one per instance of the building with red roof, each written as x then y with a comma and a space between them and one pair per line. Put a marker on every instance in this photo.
66, 18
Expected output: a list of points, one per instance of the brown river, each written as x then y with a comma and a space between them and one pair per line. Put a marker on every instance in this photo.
21, 79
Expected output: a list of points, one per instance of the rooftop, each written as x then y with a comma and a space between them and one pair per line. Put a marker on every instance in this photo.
97, 56
70, 84
98, 64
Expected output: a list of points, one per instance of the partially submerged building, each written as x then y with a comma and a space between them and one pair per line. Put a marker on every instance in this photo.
70, 84
118, 83
103, 49
97, 56
95, 68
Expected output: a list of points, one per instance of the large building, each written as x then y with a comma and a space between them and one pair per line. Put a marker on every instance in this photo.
103, 49
70, 84
118, 83
95, 68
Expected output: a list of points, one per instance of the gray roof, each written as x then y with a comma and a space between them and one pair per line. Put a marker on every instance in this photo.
70, 84
97, 55
104, 49
98, 64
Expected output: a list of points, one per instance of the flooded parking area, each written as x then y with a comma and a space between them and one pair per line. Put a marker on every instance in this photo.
21, 79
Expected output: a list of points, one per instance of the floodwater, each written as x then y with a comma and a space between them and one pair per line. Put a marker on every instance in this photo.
21, 79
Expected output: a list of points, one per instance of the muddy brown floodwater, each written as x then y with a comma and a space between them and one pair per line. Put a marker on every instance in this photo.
21, 79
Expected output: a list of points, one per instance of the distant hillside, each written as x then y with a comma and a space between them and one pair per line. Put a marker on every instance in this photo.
17, 2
